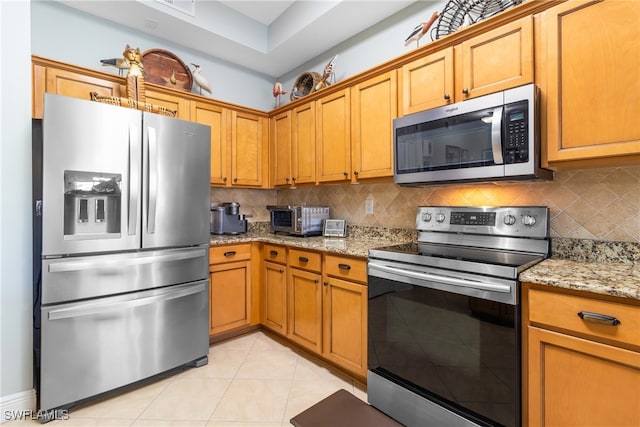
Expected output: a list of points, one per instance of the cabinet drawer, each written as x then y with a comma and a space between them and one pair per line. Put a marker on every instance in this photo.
346, 268
306, 260
228, 253
562, 311
274, 253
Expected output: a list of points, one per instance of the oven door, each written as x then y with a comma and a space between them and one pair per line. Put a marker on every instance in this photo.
444, 347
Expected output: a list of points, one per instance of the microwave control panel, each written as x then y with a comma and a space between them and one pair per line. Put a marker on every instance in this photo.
516, 131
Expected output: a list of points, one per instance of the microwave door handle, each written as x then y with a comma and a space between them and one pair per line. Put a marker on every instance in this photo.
134, 180
496, 136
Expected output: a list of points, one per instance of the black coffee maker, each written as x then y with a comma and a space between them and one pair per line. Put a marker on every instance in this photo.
226, 219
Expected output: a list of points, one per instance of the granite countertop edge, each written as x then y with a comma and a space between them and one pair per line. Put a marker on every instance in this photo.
574, 264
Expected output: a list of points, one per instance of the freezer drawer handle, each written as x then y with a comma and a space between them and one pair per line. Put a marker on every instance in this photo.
97, 308
120, 262
153, 181
442, 279
599, 318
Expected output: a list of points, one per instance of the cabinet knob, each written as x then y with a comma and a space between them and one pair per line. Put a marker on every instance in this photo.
303, 259
293, 179
287, 180
316, 281
326, 283
447, 96
346, 174
224, 179
273, 253
280, 271
355, 173
465, 91
235, 179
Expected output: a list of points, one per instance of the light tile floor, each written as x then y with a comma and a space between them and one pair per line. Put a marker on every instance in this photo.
250, 381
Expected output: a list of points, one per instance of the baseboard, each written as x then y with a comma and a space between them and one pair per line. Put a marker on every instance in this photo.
18, 406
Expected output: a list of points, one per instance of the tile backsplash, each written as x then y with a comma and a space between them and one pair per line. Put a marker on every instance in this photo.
593, 204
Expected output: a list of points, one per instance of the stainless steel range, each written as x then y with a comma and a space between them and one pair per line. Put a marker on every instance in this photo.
444, 316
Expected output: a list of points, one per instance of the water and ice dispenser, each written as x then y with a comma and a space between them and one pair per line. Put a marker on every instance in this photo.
92, 203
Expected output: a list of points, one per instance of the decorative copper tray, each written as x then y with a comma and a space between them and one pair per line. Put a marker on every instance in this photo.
166, 69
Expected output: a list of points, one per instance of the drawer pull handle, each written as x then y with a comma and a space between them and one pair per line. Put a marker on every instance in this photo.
600, 318
274, 253
229, 253
344, 266
303, 259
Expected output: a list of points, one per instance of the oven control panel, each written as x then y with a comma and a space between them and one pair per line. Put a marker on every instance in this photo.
515, 221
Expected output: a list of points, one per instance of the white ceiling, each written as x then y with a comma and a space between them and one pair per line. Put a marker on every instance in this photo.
271, 37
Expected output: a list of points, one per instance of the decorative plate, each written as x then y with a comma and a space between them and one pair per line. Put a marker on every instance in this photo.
166, 69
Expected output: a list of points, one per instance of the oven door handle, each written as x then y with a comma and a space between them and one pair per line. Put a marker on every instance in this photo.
442, 279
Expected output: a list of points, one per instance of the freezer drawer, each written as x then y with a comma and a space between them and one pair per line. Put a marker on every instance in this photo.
94, 346
74, 278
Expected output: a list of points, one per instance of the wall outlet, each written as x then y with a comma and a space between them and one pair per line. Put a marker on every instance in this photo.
368, 206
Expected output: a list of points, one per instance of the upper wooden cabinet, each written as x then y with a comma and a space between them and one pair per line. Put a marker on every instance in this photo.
373, 108
333, 136
76, 84
303, 144
498, 59
590, 83
218, 119
427, 82
249, 150
169, 101
281, 149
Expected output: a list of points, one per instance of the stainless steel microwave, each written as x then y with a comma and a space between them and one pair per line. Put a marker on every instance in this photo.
298, 220
490, 138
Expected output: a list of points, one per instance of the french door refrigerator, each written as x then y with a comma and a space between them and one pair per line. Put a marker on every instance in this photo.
121, 227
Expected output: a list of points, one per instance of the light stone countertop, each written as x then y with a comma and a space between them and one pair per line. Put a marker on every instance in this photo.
614, 279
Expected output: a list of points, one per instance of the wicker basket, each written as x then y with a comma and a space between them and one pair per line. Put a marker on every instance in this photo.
305, 84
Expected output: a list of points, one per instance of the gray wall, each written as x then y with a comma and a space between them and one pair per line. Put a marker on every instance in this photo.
15, 201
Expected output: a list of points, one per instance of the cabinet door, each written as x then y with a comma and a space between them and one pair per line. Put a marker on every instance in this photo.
168, 101
274, 297
281, 149
217, 118
303, 122
374, 106
305, 309
592, 82
230, 296
77, 85
575, 382
345, 324
427, 82
497, 60
248, 154
333, 136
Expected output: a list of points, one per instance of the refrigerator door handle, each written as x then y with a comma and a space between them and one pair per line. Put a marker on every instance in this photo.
86, 309
120, 262
134, 183
153, 180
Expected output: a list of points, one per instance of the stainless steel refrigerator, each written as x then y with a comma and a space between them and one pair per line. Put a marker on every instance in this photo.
121, 227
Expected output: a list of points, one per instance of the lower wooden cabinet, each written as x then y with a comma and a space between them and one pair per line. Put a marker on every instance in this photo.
577, 382
345, 324
230, 288
305, 309
274, 297
581, 370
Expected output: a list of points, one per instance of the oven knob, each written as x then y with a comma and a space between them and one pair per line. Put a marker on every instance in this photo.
529, 220
440, 217
426, 216
509, 219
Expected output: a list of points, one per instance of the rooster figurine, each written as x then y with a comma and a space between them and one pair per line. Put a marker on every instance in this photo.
421, 30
